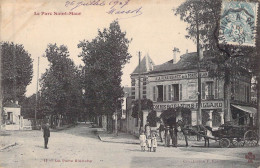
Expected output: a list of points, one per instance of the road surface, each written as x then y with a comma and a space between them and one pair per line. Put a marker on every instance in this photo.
80, 147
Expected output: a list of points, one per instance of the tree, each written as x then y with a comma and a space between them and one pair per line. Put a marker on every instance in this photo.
152, 118
17, 71
222, 61
104, 58
60, 86
28, 107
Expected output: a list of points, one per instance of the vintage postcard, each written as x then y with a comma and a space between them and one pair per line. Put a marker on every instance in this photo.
129, 83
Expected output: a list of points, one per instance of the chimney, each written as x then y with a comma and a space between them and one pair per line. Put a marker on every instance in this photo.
187, 51
175, 50
16, 102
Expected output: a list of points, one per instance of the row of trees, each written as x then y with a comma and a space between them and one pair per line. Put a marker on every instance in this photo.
16, 72
69, 92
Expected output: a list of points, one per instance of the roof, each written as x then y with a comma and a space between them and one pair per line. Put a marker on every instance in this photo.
146, 65
12, 105
187, 61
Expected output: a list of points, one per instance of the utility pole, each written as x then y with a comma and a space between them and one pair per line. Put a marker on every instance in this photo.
199, 118
36, 105
139, 91
1, 90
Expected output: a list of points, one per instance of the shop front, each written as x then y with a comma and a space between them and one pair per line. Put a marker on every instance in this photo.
212, 111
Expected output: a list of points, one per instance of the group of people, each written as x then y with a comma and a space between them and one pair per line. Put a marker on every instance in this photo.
148, 138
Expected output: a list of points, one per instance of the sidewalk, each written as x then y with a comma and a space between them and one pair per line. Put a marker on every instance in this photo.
131, 139
7, 139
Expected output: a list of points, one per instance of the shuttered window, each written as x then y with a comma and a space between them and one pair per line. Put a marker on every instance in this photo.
180, 87
154, 93
164, 93
203, 91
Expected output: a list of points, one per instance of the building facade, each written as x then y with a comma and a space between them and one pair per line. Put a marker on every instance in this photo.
172, 85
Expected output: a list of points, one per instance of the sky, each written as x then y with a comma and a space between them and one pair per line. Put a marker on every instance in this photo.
151, 24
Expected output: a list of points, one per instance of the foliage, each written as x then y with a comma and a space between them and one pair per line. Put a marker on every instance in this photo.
17, 71
28, 107
104, 58
152, 118
60, 85
222, 61
146, 104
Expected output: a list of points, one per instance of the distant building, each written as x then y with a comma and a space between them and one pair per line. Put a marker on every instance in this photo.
13, 119
176, 85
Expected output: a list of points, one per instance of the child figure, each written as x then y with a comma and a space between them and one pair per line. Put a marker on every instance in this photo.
142, 139
149, 143
154, 142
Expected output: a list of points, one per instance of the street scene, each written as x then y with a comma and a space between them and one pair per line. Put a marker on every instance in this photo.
126, 83
81, 147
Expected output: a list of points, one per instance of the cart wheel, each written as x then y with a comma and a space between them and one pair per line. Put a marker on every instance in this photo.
224, 143
251, 138
238, 142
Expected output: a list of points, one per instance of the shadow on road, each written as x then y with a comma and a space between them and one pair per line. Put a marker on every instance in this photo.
82, 130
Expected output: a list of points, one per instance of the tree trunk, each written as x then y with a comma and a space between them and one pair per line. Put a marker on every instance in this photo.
227, 97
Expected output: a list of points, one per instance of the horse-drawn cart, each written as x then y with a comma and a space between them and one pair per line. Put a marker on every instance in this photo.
228, 135
237, 136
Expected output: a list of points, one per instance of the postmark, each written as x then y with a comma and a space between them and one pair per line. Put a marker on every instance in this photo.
238, 22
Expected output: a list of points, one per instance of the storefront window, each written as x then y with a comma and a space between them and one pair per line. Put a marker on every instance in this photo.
216, 119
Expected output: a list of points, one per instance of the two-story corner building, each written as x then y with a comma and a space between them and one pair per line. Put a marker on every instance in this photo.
146, 65
176, 85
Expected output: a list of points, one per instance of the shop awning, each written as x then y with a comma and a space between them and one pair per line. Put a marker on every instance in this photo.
250, 110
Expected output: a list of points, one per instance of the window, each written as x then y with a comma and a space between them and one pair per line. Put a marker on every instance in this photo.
207, 90
144, 96
180, 91
160, 93
175, 92
154, 93
216, 119
132, 82
209, 93
144, 81
164, 93
170, 92
216, 89
203, 91
133, 95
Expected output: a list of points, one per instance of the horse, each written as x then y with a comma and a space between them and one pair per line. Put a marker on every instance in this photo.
195, 130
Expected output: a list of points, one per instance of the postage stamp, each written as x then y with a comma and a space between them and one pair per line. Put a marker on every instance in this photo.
238, 22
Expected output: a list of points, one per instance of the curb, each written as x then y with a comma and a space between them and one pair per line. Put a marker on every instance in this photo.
9, 145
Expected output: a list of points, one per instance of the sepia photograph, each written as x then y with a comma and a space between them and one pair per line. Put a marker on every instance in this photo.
129, 83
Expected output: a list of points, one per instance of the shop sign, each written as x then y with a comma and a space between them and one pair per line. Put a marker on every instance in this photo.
190, 105
179, 76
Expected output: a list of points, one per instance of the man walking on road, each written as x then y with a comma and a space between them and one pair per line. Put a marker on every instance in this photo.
46, 134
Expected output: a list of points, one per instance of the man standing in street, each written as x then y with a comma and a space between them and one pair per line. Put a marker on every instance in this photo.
46, 134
